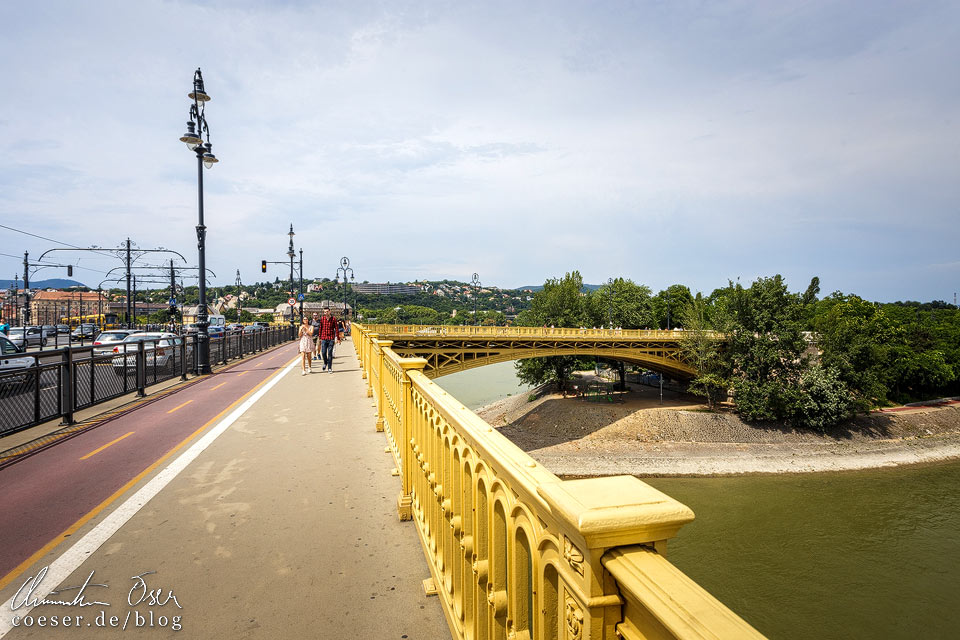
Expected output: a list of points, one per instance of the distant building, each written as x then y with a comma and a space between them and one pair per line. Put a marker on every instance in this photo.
284, 312
382, 289
47, 307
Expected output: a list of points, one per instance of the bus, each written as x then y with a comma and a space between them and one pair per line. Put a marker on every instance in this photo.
102, 320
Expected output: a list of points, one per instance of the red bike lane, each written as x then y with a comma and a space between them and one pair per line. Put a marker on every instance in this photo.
47, 496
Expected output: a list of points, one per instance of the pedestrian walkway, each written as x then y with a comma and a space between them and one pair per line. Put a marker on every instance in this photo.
285, 526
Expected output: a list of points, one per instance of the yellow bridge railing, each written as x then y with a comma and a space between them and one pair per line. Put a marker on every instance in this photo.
524, 332
516, 553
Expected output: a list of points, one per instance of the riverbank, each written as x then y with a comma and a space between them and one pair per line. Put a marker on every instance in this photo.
636, 435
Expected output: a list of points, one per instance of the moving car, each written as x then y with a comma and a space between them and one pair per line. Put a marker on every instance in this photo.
10, 363
85, 331
49, 331
63, 328
159, 350
24, 337
107, 340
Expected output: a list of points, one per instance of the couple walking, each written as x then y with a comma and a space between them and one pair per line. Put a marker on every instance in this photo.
318, 334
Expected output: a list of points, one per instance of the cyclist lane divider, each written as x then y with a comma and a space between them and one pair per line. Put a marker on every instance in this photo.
16, 453
49, 495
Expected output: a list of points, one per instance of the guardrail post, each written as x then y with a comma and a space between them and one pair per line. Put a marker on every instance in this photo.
141, 368
405, 499
383, 344
68, 395
183, 358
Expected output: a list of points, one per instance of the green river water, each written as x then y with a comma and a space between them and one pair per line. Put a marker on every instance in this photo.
867, 554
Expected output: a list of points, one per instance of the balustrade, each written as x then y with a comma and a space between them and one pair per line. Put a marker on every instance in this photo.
517, 553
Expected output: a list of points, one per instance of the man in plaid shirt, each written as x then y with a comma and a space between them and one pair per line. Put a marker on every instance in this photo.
328, 333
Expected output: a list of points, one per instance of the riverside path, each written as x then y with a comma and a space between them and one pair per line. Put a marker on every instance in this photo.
251, 503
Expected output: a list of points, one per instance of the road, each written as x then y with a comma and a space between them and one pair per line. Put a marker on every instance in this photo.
50, 493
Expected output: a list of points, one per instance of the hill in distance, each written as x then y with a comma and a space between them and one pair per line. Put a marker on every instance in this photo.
53, 283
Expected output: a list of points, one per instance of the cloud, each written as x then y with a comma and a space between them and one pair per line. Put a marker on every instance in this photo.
666, 142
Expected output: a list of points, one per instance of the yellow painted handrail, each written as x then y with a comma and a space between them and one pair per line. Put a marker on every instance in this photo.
517, 332
515, 552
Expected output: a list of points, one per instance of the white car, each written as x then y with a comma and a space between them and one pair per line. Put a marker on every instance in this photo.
106, 341
159, 350
10, 363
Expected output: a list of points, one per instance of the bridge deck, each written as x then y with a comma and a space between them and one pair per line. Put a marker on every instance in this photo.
285, 526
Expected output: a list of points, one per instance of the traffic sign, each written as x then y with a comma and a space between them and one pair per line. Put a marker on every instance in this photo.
291, 301
300, 297
172, 301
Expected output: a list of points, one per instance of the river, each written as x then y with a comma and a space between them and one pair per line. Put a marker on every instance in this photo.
867, 554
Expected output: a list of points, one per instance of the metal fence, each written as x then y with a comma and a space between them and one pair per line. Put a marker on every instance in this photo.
39, 386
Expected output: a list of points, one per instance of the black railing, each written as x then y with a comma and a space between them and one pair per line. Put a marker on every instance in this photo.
38, 386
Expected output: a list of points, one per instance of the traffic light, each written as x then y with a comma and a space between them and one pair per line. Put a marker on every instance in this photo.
69, 270
263, 266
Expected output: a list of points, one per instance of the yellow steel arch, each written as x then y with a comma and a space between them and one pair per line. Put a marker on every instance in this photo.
448, 349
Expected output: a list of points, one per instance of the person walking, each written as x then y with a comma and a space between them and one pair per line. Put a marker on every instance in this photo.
306, 346
315, 325
328, 335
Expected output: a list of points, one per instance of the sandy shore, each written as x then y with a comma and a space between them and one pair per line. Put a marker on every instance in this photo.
641, 437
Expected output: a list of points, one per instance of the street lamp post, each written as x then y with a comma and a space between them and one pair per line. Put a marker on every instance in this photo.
193, 138
345, 269
291, 254
476, 286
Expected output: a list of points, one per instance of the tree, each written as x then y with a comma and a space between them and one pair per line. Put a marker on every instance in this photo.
621, 303
668, 304
703, 350
558, 304
856, 341
766, 349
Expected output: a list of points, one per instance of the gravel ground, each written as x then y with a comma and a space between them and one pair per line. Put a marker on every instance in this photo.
637, 435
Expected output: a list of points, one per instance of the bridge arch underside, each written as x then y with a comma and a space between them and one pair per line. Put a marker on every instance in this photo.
442, 361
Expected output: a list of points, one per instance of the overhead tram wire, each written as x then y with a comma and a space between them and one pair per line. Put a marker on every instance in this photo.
66, 244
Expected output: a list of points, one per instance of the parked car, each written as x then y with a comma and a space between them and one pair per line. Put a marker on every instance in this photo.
261, 324
214, 331
10, 363
234, 328
24, 337
107, 340
159, 349
84, 331
63, 328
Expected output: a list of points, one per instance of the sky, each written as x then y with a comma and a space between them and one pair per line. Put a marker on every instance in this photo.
661, 141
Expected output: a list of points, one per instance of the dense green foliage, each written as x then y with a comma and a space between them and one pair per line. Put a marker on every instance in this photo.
787, 357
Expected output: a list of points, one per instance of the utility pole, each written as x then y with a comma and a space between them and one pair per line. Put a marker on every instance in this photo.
173, 291
291, 254
26, 290
128, 281
239, 303
134, 299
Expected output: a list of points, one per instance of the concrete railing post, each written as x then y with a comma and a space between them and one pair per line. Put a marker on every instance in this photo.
383, 344
368, 347
405, 437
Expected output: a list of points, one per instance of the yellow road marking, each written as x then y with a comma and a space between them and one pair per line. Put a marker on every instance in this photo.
180, 406
243, 373
218, 386
260, 363
69, 531
96, 451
